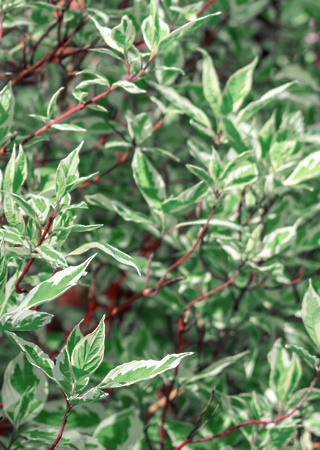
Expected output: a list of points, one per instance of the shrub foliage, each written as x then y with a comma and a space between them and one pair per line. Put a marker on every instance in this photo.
159, 197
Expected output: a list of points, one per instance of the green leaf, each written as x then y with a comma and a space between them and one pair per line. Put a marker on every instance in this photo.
233, 135
214, 167
93, 395
40, 205
277, 241
52, 256
241, 177
78, 228
3, 268
16, 171
235, 162
211, 84
216, 368
187, 198
285, 373
180, 32
106, 34
200, 173
34, 354
68, 127
154, 29
120, 431
148, 180
88, 353
24, 391
237, 88
13, 214
117, 254
53, 103
6, 111
140, 127
183, 104
62, 371
253, 107
311, 314
19, 201
80, 92
124, 34
280, 152
125, 212
308, 168
11, 235
24, 320
55, 286
136, 371
313, 361
129, 87
67, 173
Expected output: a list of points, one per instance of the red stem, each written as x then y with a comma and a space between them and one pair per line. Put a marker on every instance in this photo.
38, 65
253, 422
205, 7
182, 328
30, 262
184, 257
1, 26
64, 421
103, 174
79, 108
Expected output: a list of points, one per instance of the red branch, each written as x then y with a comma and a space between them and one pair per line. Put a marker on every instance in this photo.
79, 107
205, 7
64, 421
254, 422
182, 329
1, 26
71, 112
103, 174
186, 256
38, 65
30, 262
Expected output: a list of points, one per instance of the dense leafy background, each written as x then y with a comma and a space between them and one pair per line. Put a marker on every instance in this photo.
218, 120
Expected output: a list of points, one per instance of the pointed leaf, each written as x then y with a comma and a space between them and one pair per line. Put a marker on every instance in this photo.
93, 395
216, 368
313, 361
3, 268
311, 314
237, 88
183, 104
308, 168
55, 286
24, 391
88, 353
53, 102
178, 33
120, 431
24, 320
67, 173
6, 111
148, 180
263, 101
136, 371
211, 84
187, 198
34, 354
117, 254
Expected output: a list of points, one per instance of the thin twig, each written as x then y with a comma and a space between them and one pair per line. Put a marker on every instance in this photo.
205, 7
253, 422
186, 256
64, 421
